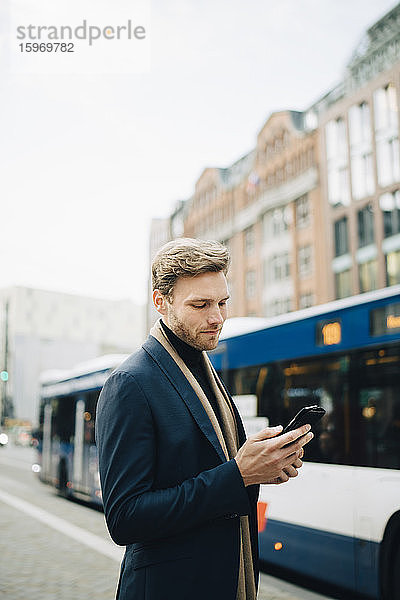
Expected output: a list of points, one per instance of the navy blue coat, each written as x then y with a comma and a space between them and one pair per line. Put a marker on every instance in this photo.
170, 496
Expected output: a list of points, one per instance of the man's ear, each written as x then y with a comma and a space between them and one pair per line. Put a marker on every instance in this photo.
160, 302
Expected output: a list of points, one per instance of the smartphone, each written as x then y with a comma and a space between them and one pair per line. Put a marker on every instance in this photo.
307, 414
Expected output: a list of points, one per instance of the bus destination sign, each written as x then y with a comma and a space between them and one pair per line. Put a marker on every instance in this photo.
329, 333
385, 320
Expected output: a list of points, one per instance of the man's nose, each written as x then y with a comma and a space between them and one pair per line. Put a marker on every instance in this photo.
215, 316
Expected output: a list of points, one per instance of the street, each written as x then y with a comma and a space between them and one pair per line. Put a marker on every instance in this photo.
54, 549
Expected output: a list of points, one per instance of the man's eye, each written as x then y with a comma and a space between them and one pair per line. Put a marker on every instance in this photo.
199, 305
223, 303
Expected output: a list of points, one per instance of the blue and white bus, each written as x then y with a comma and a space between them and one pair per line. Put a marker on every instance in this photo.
339, 521
67, 455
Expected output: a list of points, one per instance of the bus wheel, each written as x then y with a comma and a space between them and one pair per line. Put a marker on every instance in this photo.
62, 481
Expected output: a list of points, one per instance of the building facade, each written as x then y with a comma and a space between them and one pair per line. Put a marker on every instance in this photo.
267, 209
41, 330
360, 165
312, 213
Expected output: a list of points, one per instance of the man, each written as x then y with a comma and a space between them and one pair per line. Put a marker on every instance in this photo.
179, 480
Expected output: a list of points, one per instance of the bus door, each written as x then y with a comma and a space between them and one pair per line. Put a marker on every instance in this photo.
77, 472
376, 450
46, 445
90, 452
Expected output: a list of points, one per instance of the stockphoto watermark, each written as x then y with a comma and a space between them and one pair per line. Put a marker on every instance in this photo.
81, 36
84, 31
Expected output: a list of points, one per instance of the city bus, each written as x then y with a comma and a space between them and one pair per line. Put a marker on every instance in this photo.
67, 456
339, 520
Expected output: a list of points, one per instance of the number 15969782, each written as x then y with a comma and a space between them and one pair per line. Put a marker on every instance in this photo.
47, 47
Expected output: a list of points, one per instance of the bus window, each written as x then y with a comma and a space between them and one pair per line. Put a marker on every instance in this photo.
283, 388
243, 381
321, 381
376, 414
267, 383
63, 418
360, 392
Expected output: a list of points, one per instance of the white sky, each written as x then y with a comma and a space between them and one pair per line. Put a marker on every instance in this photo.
87, 161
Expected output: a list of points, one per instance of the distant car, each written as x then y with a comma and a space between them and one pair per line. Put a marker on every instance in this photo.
21, 436
36, 437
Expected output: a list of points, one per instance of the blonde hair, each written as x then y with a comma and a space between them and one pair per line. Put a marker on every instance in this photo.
187, 257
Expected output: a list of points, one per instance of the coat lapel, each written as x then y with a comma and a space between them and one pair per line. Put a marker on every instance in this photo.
185, 390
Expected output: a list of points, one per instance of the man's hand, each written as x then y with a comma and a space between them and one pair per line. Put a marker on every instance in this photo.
291, 470
264, 459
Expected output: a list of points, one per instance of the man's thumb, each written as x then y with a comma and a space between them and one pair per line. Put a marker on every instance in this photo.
267, 433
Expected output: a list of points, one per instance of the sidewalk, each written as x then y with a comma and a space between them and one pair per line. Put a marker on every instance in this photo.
39, 563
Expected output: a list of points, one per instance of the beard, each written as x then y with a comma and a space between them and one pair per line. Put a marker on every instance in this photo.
198, 341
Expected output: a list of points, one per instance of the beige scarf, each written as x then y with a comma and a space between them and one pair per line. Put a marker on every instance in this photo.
228, 438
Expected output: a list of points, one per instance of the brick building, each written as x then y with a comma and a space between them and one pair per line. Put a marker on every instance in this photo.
312, 213
360, 165
266, 208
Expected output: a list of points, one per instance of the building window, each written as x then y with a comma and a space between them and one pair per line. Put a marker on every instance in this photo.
385, 105
393, 268
368, 273
390, 206
250, 284
279, 223
360, 125
306, 300
302, 212
362, 172
305, 261
286, 305
278, 307
337, 159
276, 222
249, 240
388, 160
279, 267
343, 284
336, 138
341, 237
338, 185
387, 135
365, 226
